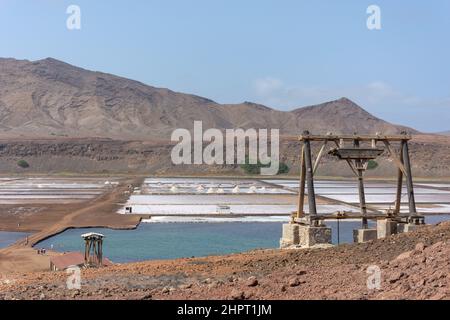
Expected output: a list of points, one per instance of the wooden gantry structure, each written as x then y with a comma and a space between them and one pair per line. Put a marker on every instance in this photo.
93, 249
357, 150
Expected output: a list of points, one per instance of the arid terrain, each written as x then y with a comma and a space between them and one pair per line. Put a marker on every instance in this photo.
61, 119
48, 220
413, 266
35, 217
430, 156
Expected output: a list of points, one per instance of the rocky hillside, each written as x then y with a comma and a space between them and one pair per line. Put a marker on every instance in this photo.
430, 156
50, 98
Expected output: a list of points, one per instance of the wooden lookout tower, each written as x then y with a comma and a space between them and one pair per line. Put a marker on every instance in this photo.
93, 249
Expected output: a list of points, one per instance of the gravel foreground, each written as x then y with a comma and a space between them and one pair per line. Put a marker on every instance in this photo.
413, 266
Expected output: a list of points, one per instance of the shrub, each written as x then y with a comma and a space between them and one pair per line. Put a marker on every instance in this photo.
23, 164
251, 168
372, 164
256, 168
284, 168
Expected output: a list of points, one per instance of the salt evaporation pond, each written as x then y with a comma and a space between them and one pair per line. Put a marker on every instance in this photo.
51, 190
201, 196
8, 238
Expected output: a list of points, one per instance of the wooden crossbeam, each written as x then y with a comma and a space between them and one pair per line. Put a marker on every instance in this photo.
351, 215
376, 138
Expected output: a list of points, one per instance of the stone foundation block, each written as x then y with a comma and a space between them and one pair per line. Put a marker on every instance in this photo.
310, 236
304, 236
406, 227
385, 228
290, 235
364, 235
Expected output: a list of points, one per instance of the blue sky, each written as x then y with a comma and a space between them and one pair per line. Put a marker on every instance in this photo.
284, 54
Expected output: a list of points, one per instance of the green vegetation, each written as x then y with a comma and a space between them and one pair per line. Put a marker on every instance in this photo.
372, 164
283, 168
251, 168
256, 168
23, 164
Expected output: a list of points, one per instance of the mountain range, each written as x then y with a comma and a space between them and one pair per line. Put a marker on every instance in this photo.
50, 98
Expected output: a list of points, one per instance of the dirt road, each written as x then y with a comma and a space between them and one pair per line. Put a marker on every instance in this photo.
98, 212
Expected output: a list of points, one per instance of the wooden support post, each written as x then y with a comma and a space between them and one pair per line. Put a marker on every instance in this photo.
310, 179
91, 248
89, 253
398, 198
301, 189
100, 253
319, 156
374, 143
350, 164
409, 182
362, 196
93, 256
94, 253
86, 252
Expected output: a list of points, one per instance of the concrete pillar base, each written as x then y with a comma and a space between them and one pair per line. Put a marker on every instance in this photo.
290, 235
385, 228
310, 236
406, 227
364, 235
304, 236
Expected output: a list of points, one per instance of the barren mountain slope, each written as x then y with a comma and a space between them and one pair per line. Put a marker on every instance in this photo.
50, 98
346, 116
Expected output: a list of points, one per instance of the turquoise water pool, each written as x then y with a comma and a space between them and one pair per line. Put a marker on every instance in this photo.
8, 238
176, 240
173, 240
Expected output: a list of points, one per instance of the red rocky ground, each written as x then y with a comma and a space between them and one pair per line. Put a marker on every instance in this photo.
413, 266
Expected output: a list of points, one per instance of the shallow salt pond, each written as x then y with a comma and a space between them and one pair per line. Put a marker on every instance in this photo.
201, 186
240, 209
188, 196
51, 190
207, 199
389, 199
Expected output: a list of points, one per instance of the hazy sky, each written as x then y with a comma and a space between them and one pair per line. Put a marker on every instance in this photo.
284, 54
